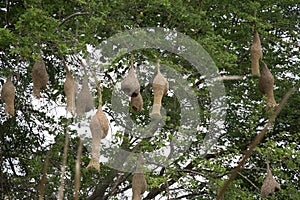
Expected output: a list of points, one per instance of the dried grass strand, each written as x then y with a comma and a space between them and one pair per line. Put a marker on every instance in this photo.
42, 184
77, 171
63, 167
139, 183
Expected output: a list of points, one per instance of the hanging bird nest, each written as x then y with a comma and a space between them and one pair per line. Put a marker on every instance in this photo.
8, 95
256, 54
270, 185
136, 103
99, 128
160, 87
139, 183
70, 89
130, 85
40, 77
265, 86
85, 101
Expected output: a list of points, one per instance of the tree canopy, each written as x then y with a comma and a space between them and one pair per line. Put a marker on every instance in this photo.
71, 30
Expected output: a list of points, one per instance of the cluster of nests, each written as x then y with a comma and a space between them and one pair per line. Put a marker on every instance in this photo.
39, 78
83, 102
265, 86
266, 79
99, 125
131, 87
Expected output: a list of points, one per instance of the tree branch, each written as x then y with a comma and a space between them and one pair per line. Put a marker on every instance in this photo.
254, 143
155, 191
71, 16
61, 189
249, 181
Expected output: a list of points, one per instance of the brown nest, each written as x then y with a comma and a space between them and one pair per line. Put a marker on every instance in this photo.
85, 101
8, 96
136, 103
256, 54
40, 77
265, 86
160, 87
130, 85
270, 185
139, 183
70, 88
99, 127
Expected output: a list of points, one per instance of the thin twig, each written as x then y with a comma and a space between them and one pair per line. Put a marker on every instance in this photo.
254, 143
71, 16
233, 77
77, 171
63, 167
43, 179
249, 181
168, 190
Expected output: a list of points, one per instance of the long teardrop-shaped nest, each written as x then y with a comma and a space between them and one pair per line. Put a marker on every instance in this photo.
8, 96
265, 86
70, 89
40, 77
160, 87
139, 183
85, 101
270, 185
160, 83
256, 54
130, 85
99, 127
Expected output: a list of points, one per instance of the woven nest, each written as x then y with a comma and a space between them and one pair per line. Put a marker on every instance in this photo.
99, 127
270, 185
256, 54
139, 183
160, 87
265, 86
85, 100
136, 103
70, 89
130, 85
160, 83
8, 96
39, 77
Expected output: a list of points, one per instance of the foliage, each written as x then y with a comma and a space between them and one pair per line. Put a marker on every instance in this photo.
223, 28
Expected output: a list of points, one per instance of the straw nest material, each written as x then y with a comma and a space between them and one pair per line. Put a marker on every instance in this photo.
8, 95
136, 103
39, 77
256, 54
139, 183
70, 89
270, 185
130, 85
265, 85
160, 87
85, 100
99, 128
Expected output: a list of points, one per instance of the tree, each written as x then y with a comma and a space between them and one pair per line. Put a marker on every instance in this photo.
225, 31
